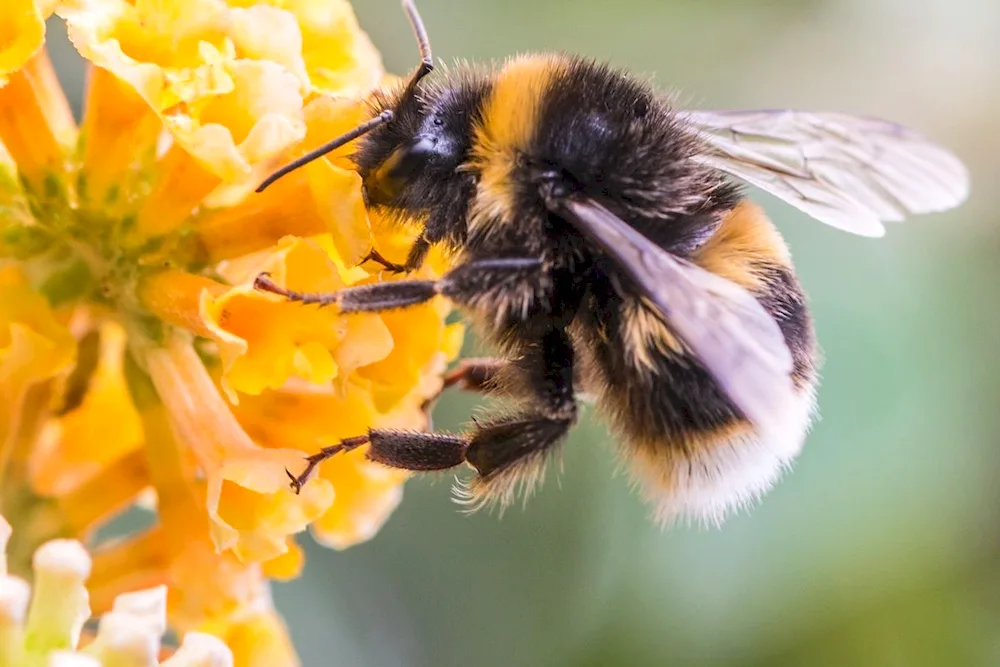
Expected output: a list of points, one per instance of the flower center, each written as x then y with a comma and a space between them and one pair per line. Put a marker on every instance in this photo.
78, 251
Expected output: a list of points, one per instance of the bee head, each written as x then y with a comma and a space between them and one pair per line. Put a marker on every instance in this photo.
411, 149
413, 160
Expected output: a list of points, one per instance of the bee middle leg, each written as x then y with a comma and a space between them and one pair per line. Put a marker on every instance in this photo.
476, 375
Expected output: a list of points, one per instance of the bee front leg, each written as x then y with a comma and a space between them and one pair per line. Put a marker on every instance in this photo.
476, 277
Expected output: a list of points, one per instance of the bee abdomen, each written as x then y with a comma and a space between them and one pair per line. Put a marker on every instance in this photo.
690, 449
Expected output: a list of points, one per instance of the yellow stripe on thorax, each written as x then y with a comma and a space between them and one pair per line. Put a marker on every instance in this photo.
509, 121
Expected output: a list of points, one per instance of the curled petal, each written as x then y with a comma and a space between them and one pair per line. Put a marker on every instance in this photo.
266, 340
227, 112
338, 55
286, 566
365, 493
22, 33
264, 32
418, 335
250, 508
323, 196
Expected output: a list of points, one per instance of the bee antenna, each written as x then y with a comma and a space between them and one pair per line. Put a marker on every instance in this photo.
332, 145
425, 68
423, 44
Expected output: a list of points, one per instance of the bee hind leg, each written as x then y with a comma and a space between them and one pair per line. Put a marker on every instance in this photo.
510, 452
409, 450
510, 457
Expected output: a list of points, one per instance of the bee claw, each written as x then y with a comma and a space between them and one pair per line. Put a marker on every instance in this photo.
345, 445
295, 484
375, 256
264, 283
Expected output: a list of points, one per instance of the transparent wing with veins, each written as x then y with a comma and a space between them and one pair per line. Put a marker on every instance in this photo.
850, 172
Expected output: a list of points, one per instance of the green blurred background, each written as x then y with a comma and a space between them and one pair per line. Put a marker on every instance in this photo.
881, 548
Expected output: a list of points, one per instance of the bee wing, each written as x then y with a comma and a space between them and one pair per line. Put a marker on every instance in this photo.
724, 326
851, 172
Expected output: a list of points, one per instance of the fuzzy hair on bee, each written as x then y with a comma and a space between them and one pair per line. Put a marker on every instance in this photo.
604, 245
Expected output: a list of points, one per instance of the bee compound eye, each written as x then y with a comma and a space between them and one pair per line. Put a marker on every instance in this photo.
640, 107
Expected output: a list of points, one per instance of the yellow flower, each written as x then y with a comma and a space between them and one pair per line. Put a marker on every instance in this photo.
22, 34
44, 624
138, 366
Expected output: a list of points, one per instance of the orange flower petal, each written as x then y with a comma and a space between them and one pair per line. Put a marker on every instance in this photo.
37, 126
365, 493
259, 221
323, 196
101, 430
182, 182
251, 509
257, 637
118, 141
418, 335
33, 344
337, 193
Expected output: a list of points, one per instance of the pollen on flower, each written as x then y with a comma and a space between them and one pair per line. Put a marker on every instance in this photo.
140, 369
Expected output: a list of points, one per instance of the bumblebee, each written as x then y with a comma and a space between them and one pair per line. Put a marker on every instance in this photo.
604, 246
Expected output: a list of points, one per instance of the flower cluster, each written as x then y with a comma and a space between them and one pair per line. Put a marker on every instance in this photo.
138, 366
